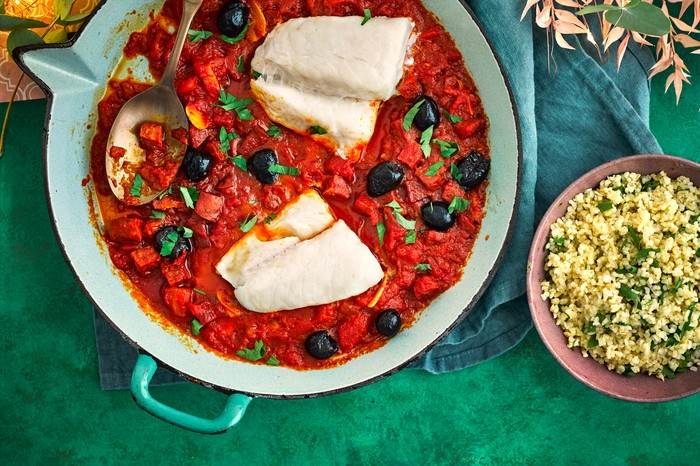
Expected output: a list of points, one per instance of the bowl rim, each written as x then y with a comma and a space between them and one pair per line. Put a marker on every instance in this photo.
539, 308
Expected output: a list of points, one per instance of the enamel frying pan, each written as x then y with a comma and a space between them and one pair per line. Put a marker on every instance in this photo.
74, 76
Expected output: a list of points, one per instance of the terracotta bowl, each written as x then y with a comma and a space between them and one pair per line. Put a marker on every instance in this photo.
640, 387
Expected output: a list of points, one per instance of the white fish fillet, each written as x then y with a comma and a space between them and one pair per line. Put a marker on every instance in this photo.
307, 216
337, 55
331, 266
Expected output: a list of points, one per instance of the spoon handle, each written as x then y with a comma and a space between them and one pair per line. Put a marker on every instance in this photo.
189, 8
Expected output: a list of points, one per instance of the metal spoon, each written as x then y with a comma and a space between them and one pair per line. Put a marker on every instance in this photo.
159, 104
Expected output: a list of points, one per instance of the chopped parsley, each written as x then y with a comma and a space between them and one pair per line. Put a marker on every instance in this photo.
270, 218
629, 294
225, 139
248, 223
425, 138
196, 326
697, 253
241, 64
447, 149
677, 286
454, 171
136, 186
368, 16
642, 253
185, 232
169, 244
650, 185
556, 244
605, 206
255, 354
592, 342
198, 291
238, 38
196, 36
458, 204
452, 118
253, 201
411, 114
410, 237
381, 231
240, 162
274, 131
630, 271
189, 195
229, 102
635, 237
434, 168
157, 215
318, 130
283, 170
397, 209
423, 267
272, 361
256, 74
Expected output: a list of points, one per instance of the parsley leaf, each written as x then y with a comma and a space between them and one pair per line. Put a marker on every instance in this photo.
274, 131
256, 74
318, 130
255, 354
454, 171
447, 149
629, 294
381, 231
452, 118
225, 139
642, 253
241, 64
196, 326
240, 162
605, 206
635, 237
136, 186
196, 36
458, 204
423, 267
425, 138
198, 291
400, 219
677, 286
272, 361
238, 38
411, 114
185, 232
189, 195
434, 168
410, 237
270, 218
169, 244
157, 215
368, 16
229, 102
248, 223
283, 170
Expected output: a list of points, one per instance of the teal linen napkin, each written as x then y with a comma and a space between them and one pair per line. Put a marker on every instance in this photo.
574, 115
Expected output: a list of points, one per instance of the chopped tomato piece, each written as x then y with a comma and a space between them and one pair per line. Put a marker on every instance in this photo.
126, 230
152, 136
145, 259
117, 152
209, 206
176, 299
425, 287
352, 330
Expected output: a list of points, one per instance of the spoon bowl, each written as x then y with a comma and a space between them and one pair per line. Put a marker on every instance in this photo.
160, 105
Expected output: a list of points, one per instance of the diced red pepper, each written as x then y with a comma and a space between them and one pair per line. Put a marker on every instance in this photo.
204, 311
209, 206
145, 259
126, 230
176, 299
340, 166
352, 330
338, 188
411, 155
117, 152
425, 287
152, 136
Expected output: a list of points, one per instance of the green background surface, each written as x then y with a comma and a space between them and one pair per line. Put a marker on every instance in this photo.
520, 408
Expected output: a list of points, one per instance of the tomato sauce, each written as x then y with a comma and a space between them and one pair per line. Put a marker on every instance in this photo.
188, 288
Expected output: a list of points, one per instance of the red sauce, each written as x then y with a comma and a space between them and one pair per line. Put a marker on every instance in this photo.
189, 287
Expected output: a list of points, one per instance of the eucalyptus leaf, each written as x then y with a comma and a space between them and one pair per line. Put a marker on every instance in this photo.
10, 23
72, 19
56, 36
643, 18
61, 8
21, 37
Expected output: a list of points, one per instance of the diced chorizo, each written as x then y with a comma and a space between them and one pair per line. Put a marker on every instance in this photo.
152, 136
338, 188
145, 259
126, 230
209, 206
176, 299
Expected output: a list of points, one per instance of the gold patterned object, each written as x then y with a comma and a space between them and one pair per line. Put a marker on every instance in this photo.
41, 10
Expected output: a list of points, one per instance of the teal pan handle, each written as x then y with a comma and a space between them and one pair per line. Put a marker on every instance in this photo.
141, 378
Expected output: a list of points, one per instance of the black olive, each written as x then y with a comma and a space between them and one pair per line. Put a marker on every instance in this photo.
428, 114
472, 170
170, 236
437, 216
388, 323
259, 165
321, 345
196, 164
384, 178
233, 18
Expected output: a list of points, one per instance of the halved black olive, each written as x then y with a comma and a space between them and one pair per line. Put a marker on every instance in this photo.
388, 322
384, 178
259, 165
196, 164
170, 238
233, 18
321, 345
437, 216
428, 114
472, 170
